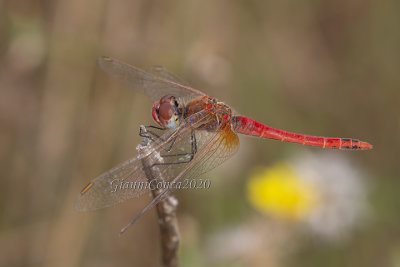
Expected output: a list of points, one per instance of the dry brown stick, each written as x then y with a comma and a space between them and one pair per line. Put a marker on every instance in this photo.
166, 209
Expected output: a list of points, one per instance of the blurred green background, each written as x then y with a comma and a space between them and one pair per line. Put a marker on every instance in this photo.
314, 67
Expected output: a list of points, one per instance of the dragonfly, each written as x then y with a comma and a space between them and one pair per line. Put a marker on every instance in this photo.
195, 134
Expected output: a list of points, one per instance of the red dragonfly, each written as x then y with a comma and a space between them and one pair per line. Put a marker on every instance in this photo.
198, 133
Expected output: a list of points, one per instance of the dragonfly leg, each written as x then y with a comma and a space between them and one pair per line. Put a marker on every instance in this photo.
150, 134
190, 154
155, 137
155, 127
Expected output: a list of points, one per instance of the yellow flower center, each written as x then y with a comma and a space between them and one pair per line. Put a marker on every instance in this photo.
280, 191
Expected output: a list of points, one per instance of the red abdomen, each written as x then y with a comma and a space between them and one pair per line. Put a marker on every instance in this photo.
249, 126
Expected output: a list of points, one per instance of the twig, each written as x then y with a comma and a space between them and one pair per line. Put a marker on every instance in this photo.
166, 209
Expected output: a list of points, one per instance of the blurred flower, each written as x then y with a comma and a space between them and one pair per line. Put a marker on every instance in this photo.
324, 191
255, 242
278, 190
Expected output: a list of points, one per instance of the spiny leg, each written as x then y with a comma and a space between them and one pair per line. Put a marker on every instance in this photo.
193, 143
155, 137
148, 134
191, 154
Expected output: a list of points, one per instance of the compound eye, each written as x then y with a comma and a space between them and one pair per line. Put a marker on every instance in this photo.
165, 112
155, 112
166, 99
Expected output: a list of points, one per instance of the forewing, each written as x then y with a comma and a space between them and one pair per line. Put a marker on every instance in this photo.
105, 190
152, 85
162, 72
129, 180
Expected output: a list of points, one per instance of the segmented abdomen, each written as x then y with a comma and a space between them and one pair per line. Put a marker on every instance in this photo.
249, 126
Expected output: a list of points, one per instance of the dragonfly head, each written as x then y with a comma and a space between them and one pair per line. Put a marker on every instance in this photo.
165, 112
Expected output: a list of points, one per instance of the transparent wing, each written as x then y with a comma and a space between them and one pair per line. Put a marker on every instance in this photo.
153, 85
105, 190
216, 147
162, 72
128, 180
213, 148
